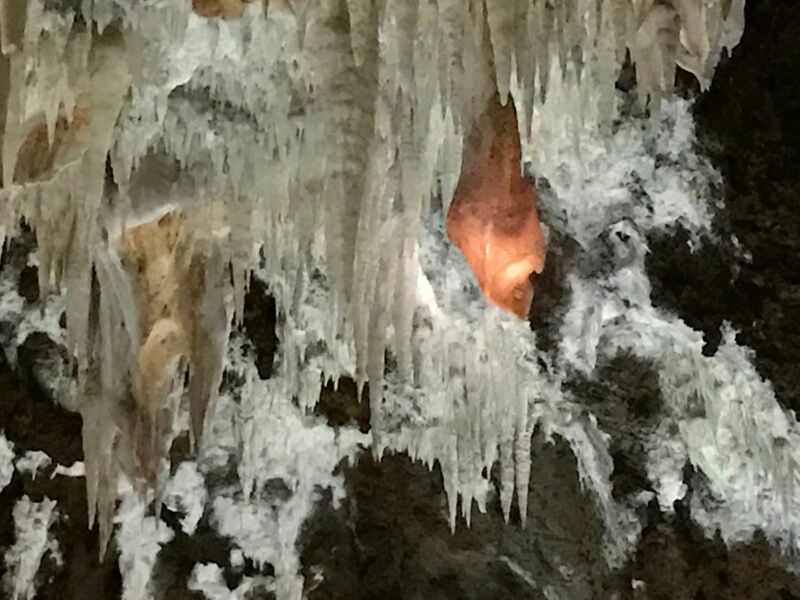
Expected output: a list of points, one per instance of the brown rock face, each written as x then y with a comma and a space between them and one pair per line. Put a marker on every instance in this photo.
493, 218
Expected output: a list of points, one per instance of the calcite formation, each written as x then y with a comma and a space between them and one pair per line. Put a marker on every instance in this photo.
493, 218
314, 140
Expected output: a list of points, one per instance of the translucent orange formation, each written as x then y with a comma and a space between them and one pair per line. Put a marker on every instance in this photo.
493, 218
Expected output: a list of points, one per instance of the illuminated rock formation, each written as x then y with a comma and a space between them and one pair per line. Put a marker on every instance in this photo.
493, 218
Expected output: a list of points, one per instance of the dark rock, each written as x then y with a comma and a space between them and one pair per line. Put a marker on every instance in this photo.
390, 538
178, 557
33, 422
260, 319
17, 249
676, 274
624, 395
550, 293
40, 362
341, 406
28, 284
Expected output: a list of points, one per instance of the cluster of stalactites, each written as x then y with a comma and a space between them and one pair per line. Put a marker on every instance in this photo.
399, 111
377, 97
350, 129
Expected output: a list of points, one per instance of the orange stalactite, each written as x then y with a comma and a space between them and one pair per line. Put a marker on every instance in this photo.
493, 217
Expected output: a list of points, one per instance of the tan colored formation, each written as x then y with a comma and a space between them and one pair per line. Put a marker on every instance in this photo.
168, 280
232, 9
37, 156
167, 284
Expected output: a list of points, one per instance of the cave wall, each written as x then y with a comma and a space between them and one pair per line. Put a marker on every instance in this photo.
389, 538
